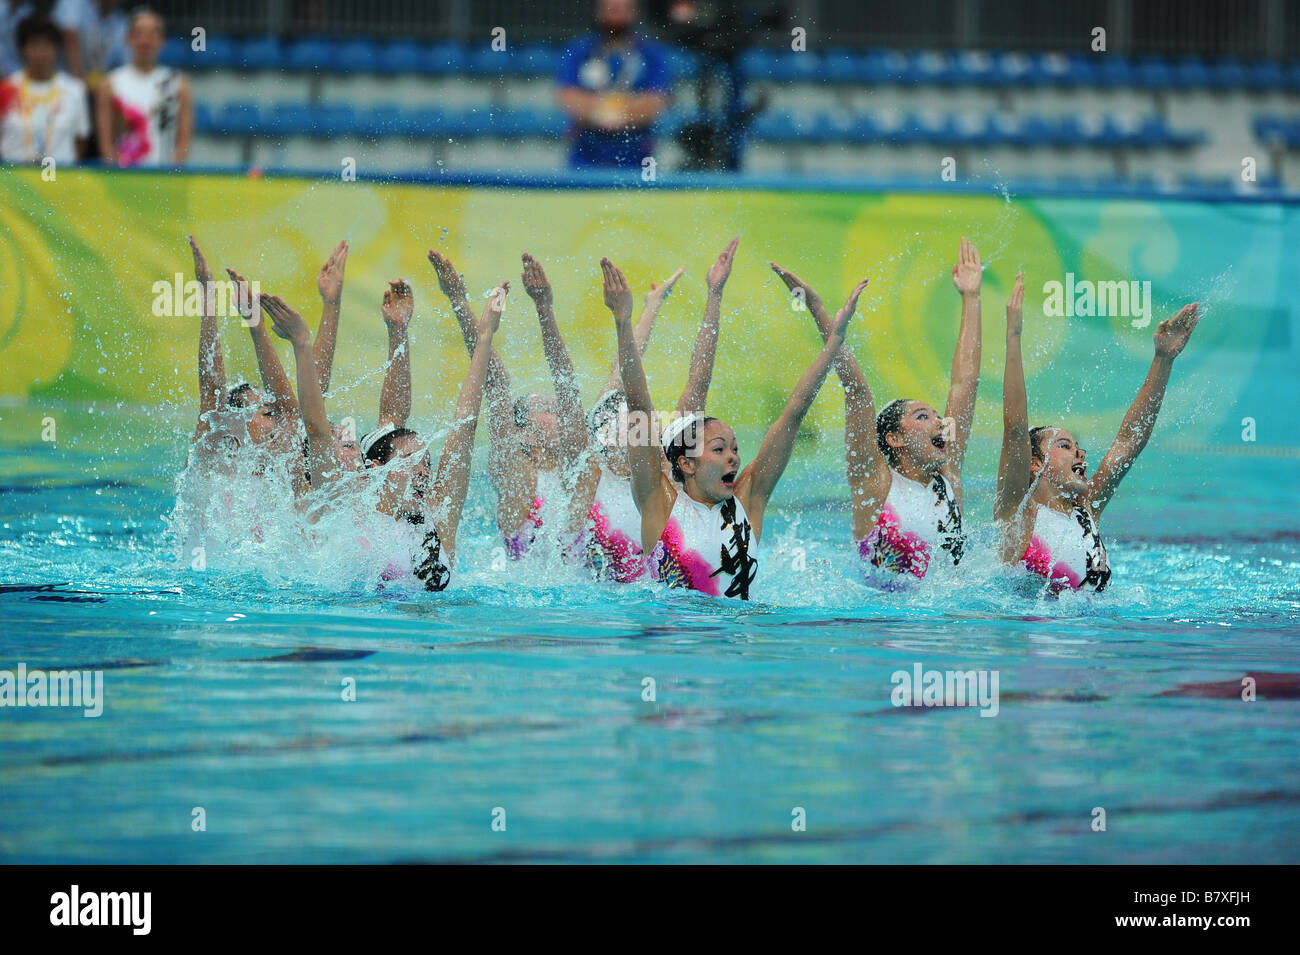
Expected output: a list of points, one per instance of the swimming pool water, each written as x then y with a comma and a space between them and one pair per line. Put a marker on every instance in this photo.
521, 688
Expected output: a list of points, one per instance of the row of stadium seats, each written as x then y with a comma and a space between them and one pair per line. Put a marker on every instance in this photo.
1278, 130
282, 119
868, 67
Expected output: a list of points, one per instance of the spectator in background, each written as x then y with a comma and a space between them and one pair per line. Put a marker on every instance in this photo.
12, 13
143, 111
94, 37
613, 86
43, 111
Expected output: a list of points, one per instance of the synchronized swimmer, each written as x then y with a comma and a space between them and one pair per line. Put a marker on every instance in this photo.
629, 501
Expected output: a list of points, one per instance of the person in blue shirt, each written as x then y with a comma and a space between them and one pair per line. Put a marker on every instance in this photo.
613, 86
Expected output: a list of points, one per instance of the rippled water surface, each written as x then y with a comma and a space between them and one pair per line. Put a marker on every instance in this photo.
521, 689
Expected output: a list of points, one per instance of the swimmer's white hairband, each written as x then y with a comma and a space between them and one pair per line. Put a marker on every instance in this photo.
674, 430
374, 437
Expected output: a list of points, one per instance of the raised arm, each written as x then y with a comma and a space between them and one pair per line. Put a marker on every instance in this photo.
395, 396
274, 380
572, 422
322, 463
501, 415
330, 285
212, 366
654, 300
1171, 337
452, 481
755, 485
649, 485
967, 276
696, 393
1015, 475
868, 471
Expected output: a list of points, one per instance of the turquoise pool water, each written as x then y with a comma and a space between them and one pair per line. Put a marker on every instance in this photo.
522, 690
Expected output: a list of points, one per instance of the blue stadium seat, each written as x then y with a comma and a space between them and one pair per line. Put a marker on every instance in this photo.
259, 53
203, 119
428, 121
976, 68
1114, 71
1292, 73
1055, 69
399, 56
175, 53
1191, 73
442, 59
310, 54
384, 121
534, 59
931, 67
1037, 131
238, 117
487, 62
1153, 73
775, 127
1013, 69
289, 119
219, 52
840, 66
1229, 74
1069, 132
356, 56
1265, 75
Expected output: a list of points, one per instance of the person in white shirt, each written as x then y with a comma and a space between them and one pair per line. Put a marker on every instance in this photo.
12, 13
143, 112
94, 37
43, 112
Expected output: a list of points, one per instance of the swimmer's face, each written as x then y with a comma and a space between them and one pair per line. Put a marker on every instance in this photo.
1065, 467
145, 38
262, 426
714, 463
346, 448
39, 57
540, 441
920, 435
411, 468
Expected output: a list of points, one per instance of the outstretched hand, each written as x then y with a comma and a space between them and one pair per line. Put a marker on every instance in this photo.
536, 283
330, 280
967, 273
245, 300
797, 285
1016, 306
399, 303
618, 297
496, 304
720, 271
661, 290
1173, 333
450, 281
840, 323
201, 270
288, 324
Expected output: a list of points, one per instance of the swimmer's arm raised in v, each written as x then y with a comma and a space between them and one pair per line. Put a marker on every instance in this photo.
1015, 475
212, 366
274, 380
755, 484
868, 471
588, 469
651, 489
967, 276
330, 285
452, 481
572, 422
1171, 336
695, 394
395, 396
654, 300
513, 502
322, 463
